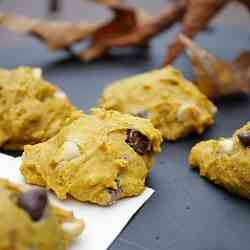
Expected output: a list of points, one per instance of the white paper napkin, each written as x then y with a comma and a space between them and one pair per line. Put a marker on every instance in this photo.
103, 224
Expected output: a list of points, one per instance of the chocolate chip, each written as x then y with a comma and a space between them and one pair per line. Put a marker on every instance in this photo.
139, 142
143, 114
244, 138
33, 202
115, 194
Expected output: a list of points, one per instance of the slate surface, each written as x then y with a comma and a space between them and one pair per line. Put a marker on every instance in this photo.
186, 212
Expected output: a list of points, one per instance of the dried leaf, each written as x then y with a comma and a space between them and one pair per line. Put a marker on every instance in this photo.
57, 35
243, 61
198, 15
123, 21
150, 27
215, 77
242, 65
130, 27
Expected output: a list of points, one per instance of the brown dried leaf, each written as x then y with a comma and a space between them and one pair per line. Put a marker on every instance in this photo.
215, 77
243, 61
242, 65
147, 28
194, 14
130, 27
124, 21
57, 35
197, 16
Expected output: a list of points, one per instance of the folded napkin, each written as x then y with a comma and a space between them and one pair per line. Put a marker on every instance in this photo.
103, 224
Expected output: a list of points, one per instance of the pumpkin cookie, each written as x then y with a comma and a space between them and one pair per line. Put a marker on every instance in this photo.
226, 161
98, 158
28, 221
174, 105
31, 109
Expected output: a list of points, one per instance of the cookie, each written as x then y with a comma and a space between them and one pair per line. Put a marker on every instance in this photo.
31, 109
226, 161
174, 105
98, 158
29, 221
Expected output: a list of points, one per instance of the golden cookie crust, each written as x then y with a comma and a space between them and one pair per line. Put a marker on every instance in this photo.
174, 105
18, 231
225, 162
90, 159
31, 109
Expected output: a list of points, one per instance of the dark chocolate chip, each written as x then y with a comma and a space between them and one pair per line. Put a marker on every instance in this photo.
143, 114
139, 142
244, 138
33, 202
115, 194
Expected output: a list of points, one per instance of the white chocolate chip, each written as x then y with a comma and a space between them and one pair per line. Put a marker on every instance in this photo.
70, 151
60, 94
74, 227
227, 145
23, 157
186, 109
214, 110
37, 73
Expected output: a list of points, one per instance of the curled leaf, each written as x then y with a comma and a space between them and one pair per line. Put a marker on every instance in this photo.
215, 77
57, 34
130, 27
197, 16
123, 21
